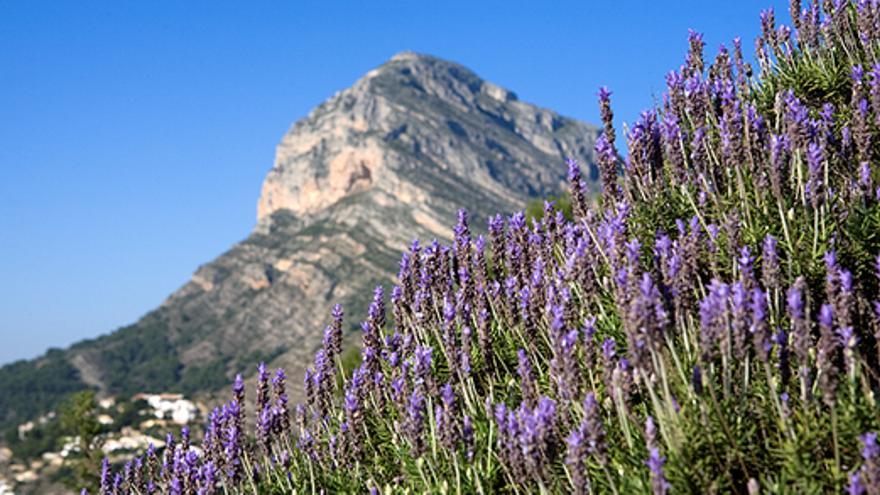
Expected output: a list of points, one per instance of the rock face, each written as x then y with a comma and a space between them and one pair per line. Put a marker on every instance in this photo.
389, 160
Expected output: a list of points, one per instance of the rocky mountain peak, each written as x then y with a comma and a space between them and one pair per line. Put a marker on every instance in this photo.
417, 109
386, 161
437, 77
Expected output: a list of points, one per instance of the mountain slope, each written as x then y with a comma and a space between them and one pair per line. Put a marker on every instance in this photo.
386, 161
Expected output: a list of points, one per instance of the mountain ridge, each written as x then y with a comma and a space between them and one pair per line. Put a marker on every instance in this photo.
388, 160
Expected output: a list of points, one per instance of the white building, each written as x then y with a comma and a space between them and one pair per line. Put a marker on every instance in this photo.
130, 440
171, 406
53, 459
25, 428
71, 445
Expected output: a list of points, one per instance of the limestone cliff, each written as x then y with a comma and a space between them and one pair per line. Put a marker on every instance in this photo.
386, 161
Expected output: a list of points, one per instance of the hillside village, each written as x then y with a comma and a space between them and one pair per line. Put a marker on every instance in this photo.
39, 451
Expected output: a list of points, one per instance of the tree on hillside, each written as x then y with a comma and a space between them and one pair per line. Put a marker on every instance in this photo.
78, 416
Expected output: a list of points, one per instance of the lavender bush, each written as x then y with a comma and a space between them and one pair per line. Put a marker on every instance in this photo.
711, 324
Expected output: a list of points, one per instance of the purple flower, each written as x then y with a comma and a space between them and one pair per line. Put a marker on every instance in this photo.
672, 144
482, 266
848, 340
870, 449
861, 126
576, 189
446, 418
866, 184
770, 263
414, 423
333, 333
232, 445
422, 365
857, 73
462, 244
526, 377
607, 158
780, 150
768, 25
740, 323
106, 477
655, 462
650, 432
586, 439
575, 457
510, 432
536, 429
645, 148
176, 487
713, 327
800, 332
855, 486
281, 402
760, 329
609, 349
496, 237
844, 299
606, 113
645, 321
563, 366
797, 117
815, 161
207, 476
377, 309
694, 61
238, 392
211, 442
593, 429
168, 454
467, 431
262, 387
826, 356
870, 469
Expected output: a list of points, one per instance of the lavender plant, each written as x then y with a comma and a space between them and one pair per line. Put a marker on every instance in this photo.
710, 324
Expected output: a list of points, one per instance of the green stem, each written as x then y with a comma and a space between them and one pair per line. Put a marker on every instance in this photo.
834, 438
610, 481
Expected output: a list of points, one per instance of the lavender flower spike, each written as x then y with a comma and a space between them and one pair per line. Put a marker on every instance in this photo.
659, 485
800, 332
607, 158
575, 457
527, 378
576, 189
606, 113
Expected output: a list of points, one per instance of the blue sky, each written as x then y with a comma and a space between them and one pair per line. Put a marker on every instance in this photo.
134, 136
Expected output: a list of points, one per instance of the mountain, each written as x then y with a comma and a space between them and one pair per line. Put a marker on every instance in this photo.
386, 161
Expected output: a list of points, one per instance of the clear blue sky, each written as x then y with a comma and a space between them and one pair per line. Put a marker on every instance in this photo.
134, 135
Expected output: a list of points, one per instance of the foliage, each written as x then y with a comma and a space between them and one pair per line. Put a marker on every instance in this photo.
78, 420
536, 209
31, 388
129, 413
136, 359
42, 438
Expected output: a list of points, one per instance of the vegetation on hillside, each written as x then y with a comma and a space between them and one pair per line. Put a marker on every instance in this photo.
712, 325
34, 387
